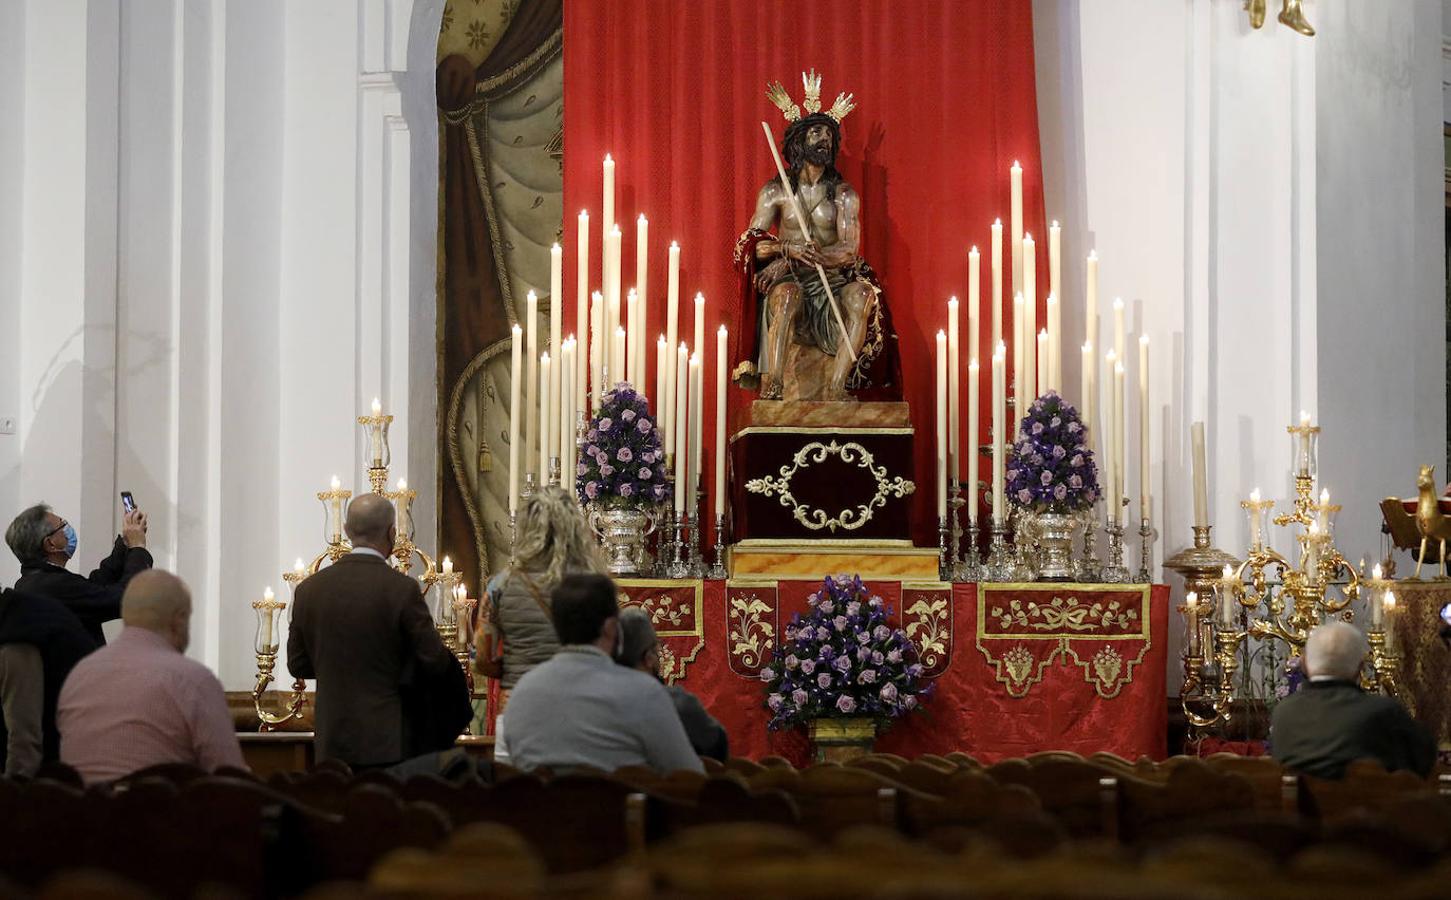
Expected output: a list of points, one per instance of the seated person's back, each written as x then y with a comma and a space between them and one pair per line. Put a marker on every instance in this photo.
362, 630
580, 709
140, 701
1330, 722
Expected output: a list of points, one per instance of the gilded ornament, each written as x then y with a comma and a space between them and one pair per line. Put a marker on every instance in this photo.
850, 518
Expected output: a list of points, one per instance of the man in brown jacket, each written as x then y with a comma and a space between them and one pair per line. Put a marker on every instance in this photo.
362, 630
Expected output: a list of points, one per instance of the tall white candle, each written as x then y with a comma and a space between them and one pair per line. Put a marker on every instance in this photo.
720, 424
672, 332
657, 403
1030, 321
699, 345
1055, 263
618, 353
972, 438
1020, 381
1109, 467
1042, 374
581, 314
695, 429
375, 436
1055, 343
531, 386
941, 425
631, 333
1118, 327
556, 319
545, 435
974, 301
1015, 219
1000, 392
1085, 389
997, 282
954, 397
1201, 478
1118, 439
1090, 313
640, 325
609, 195
599, 349
565, 451
682, 430
616, 301
1145, 503
516, 385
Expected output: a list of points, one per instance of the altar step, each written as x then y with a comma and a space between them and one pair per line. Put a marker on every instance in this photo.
885, 559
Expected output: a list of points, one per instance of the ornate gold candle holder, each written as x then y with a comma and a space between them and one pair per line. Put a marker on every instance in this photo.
375, 427
268, 640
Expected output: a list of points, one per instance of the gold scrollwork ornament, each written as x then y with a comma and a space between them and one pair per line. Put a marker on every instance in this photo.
849, 518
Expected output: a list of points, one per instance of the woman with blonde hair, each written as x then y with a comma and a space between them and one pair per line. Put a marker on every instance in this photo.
552, 540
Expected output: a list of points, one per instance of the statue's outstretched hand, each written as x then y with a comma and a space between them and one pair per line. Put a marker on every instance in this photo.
769, 273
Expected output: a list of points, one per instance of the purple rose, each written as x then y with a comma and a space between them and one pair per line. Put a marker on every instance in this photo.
881, 632
874, 602
1055, 422
1012, 473
894, 656
591, 489
868, 676
842, 663
581, 469
628, 415
827, 607
592, 451
812, 600
839, 623
853, 608
1075, 482
774, 702
1076, 461
845, 704
799, 697
824, 679
768, 673
1025, 496
863, 654
644, 473
1059, 452
888, 693
1037, 459
606, 470
643, 426
624, 454
605, 424
1046, 478
877, 658
659, 492
792, 662
1037, 427
627, 490
808, 666
914, 670
1074, 428
909, 702
823, 633
1060, 492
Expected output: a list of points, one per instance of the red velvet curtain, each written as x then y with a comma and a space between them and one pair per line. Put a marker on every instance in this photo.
675, 92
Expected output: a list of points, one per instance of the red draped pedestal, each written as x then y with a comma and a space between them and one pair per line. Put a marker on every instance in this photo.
1015, 669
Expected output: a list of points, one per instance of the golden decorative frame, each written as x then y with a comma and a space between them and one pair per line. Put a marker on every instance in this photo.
849, 518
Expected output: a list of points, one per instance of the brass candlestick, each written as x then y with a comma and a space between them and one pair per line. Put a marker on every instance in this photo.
1201, 564
268, 641
1146, 551
944, 558
718, 568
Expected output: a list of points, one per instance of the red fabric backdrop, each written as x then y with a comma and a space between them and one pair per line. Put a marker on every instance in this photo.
675, 91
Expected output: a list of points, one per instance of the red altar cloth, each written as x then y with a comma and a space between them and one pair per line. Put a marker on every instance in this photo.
1086, 700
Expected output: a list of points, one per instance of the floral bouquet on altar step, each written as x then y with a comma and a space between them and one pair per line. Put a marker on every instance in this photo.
621, 478
843, 660
1053, 482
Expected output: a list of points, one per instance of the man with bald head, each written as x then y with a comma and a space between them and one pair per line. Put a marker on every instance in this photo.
1330, 722
362, 630
140, 701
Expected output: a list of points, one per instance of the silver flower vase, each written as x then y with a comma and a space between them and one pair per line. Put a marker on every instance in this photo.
623, 531
1054, 535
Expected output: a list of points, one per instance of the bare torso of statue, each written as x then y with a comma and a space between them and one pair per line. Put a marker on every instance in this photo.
820, 323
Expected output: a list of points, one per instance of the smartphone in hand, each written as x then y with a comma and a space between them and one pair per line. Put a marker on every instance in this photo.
128, 502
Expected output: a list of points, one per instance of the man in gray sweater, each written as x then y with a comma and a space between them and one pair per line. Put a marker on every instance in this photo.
580, 709
641, 650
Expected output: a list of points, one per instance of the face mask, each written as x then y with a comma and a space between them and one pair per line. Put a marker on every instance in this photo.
71, 541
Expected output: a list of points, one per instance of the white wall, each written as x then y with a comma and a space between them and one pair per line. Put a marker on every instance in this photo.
217, 231
1266, 205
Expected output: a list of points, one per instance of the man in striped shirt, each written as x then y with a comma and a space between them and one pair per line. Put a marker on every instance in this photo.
140, 701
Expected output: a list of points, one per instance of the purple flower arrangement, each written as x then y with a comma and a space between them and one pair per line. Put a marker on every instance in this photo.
1051, 469
843, 659
621, 463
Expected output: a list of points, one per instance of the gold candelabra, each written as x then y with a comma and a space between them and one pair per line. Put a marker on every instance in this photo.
271, 621
1269, 597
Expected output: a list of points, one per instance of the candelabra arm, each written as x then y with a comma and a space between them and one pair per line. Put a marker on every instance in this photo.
266, 662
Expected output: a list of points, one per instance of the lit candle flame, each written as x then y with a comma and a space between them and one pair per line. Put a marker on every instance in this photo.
267, 595
299, 567
377, 407
1254, 495
335, 483
1304, 419
1376, 572
1390, 601
1191, 600
402, 485
447, 566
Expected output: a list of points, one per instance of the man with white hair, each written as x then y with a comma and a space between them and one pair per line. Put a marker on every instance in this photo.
1330, 722
140, 701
